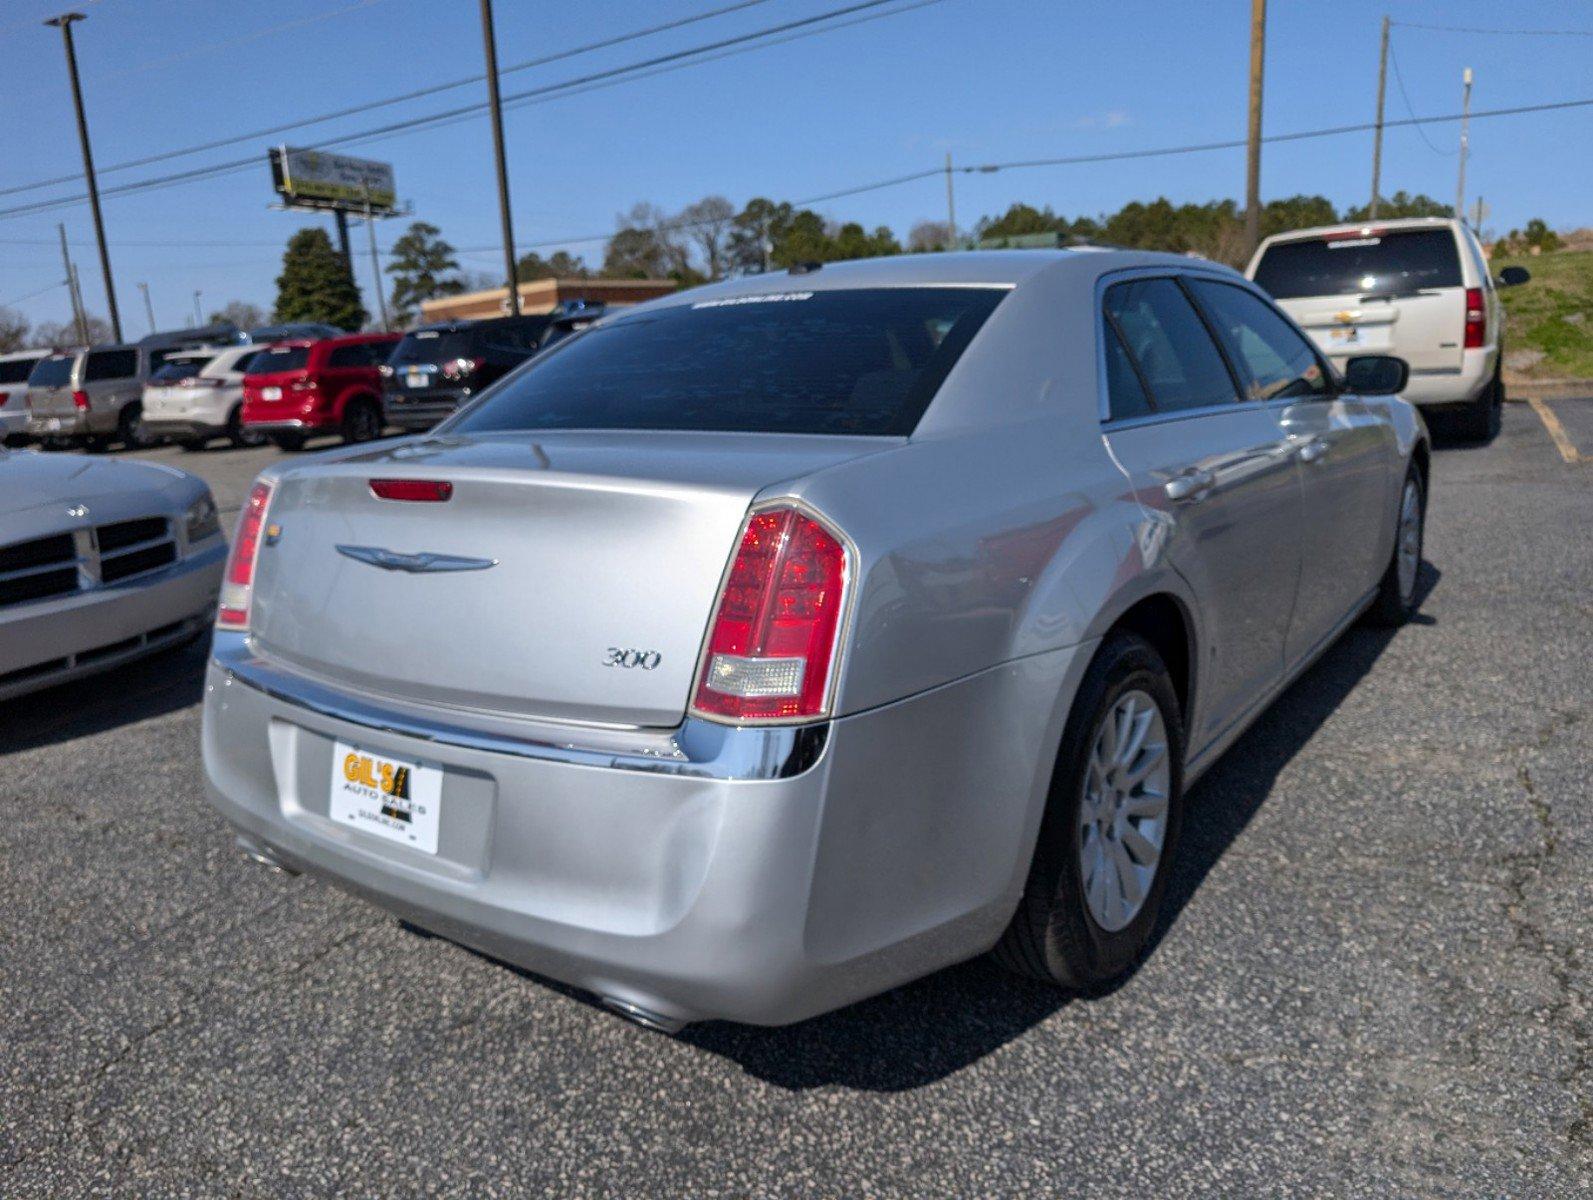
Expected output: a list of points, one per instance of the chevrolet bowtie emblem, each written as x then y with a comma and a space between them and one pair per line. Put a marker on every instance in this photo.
415, 564
1344, 318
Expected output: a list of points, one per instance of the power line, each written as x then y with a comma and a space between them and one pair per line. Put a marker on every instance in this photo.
370, 105
60, 283
1404, 95
1497, 32
251, 162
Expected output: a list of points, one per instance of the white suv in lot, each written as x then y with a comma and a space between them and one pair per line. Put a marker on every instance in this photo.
1416, 288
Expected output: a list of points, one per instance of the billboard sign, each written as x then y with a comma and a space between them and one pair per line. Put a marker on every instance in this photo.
316, 179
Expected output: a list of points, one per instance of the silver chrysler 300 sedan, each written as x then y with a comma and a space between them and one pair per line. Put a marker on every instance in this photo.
100, 562
766, 646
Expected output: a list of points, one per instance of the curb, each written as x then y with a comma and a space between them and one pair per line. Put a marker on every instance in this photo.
1547, 389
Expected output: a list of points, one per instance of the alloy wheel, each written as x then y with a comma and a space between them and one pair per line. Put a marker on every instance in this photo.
1122, 822
1410, 539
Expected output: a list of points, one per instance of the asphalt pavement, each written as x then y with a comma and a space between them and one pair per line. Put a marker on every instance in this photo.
1374, 977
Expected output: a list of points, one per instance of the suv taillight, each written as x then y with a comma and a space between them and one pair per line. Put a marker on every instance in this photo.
460, 368
80, 400
238, 582
771, 651
304, 384
1476, 319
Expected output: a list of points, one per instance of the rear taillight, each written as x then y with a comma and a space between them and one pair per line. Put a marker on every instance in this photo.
302, 385
80, 400
459, 368
1476, 319
771, 649
238, 582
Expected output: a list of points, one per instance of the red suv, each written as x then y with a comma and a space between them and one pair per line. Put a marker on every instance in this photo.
298, 388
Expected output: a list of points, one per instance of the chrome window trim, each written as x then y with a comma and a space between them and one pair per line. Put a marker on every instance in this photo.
695, 749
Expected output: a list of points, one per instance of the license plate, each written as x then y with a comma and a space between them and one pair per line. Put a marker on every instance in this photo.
52, 423
385, 796
415, 378
270, 393
1345, 337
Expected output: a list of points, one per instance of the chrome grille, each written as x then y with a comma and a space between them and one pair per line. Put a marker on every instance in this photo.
61, 564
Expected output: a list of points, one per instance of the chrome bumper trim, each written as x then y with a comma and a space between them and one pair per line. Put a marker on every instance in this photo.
695, 749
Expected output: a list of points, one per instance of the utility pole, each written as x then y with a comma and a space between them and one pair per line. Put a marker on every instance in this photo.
951, 208
1377, 137
71, 289
342, 239
149, 309
64, 24
1476, 225
376, 260
490, 42
1465, 145
1258, 40
78, 307
198, 316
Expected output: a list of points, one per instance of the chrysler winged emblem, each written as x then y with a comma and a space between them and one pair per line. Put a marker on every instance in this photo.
415, 564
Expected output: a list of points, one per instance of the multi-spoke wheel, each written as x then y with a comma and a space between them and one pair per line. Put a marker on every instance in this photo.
1110, 827
1396, 594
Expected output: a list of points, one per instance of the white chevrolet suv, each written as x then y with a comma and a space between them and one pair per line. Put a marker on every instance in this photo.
1417, 288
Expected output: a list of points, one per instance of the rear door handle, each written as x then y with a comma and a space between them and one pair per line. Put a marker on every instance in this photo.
1189, 486
1313, 450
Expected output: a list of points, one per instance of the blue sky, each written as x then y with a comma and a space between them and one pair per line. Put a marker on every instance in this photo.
988, 80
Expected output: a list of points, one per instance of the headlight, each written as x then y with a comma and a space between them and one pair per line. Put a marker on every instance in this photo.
202, 519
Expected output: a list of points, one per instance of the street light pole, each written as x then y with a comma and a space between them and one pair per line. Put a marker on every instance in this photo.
951, 208
1465, 146
71, 288
1258, 41
64, 24
490, 42
149, 309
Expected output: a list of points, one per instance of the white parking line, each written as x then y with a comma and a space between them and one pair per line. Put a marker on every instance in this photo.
1562, 440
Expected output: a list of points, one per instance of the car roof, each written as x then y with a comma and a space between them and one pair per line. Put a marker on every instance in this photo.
1366, 227
961, 268
14, 355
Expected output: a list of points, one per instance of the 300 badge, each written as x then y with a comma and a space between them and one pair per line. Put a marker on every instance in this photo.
622, 656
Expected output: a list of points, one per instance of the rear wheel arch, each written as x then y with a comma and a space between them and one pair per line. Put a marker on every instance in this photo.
1163, 621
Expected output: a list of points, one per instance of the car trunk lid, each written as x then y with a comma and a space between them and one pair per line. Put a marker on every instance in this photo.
559, 551
1425, 328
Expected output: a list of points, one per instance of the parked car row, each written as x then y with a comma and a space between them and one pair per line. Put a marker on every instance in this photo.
285, 383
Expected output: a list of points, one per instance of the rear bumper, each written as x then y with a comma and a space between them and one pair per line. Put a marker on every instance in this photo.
421, 410
178, 427
74, 424
748, 874
52, 641
13, 423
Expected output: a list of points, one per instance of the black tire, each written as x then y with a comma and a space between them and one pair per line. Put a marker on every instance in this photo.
193, 444
1396, 600
288, 441
1053, 936
130, 428
238, 434
362, 422
1481, 421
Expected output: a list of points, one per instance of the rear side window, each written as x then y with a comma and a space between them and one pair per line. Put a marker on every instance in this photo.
17, 369
283, 358
1275, 362
1125, 390
1166, 339
1392, 263
350, 356
52, 372
110, 364
182, 368
857, 361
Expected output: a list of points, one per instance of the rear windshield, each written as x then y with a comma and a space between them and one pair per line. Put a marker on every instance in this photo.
1389, 263
52, 372
433, 346
181, 368
845, 362
17, 369
282, 358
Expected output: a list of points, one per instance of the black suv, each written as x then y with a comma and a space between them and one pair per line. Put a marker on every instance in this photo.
436, 368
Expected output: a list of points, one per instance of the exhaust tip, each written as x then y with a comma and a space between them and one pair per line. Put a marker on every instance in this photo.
257, 853
644, 1017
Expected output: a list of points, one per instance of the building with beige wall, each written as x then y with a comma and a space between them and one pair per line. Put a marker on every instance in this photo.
542, 295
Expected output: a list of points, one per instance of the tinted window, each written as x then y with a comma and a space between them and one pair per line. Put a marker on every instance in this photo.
1168, 341
17, 369
1275, 362
350, 356
1387, 263
1124, 391
182, 368
282, 358
52, 372
110, 364
432, 346
239, 365
864, 361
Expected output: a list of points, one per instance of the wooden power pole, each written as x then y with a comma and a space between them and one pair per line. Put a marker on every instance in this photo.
1258, 39
1377, 135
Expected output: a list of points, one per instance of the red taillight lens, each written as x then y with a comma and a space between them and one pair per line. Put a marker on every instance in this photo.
238, 582
302, 385
412, 489
80, 400
771, 648
459, 368
1476, 319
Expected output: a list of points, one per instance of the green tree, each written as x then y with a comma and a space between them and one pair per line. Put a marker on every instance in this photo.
315, 284
238, 313
646, 246
754, 232
1538, 234
423, 267
561, 264
1402, 204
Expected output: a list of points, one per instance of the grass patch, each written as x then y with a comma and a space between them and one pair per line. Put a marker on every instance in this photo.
1553, 314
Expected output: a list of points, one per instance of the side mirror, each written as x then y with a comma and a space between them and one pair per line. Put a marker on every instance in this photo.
1376, 375
1514, 276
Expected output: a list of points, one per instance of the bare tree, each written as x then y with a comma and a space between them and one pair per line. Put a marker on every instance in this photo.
929, 235
64, 333
707, 225
646, 246
13, 330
